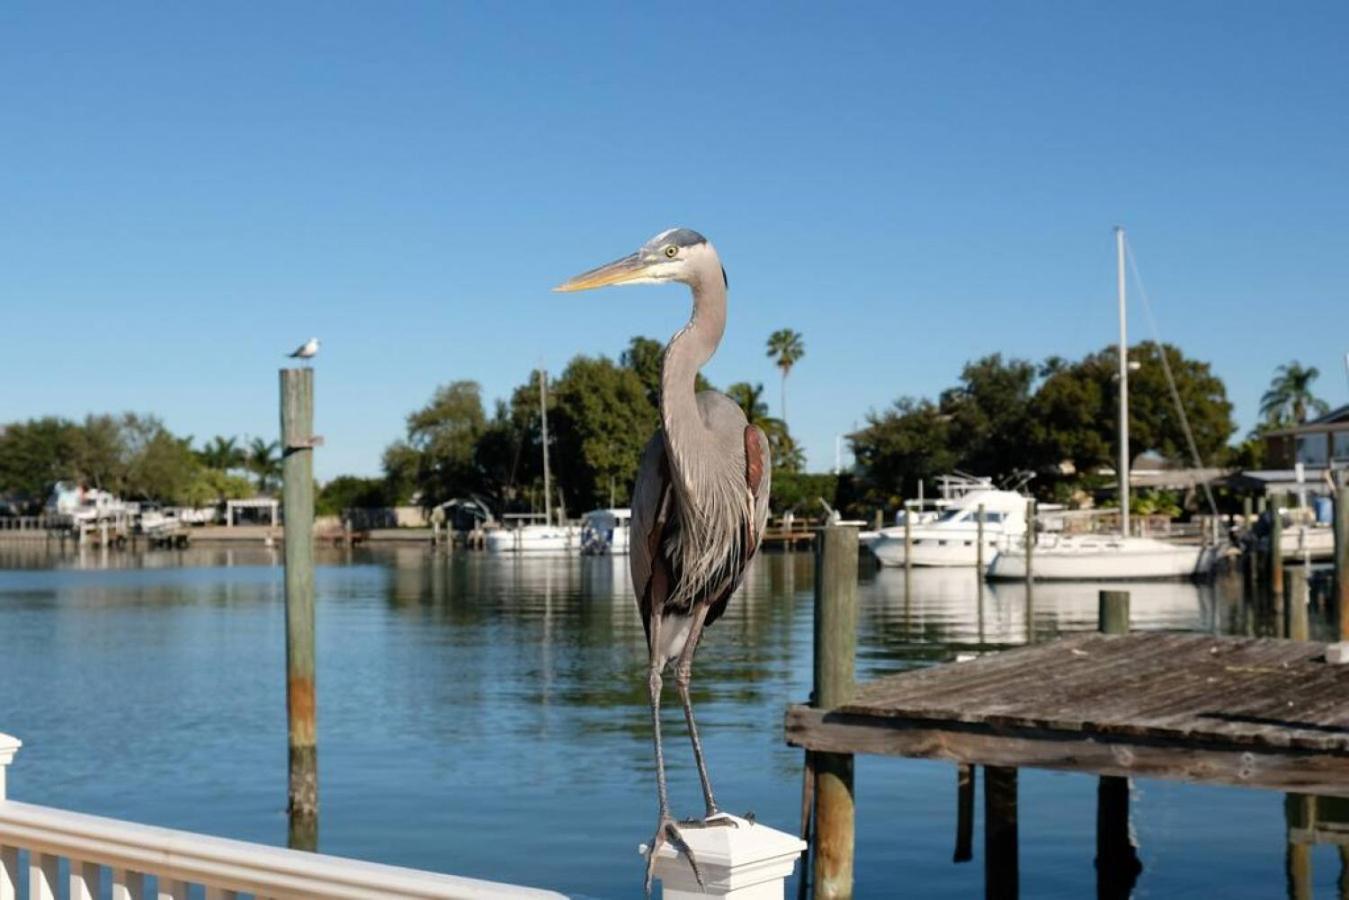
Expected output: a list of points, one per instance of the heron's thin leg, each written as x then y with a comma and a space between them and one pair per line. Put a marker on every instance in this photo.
653, 684
666, 830
683, 674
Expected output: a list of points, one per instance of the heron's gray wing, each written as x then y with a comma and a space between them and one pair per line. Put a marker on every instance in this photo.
651, 506
758, 477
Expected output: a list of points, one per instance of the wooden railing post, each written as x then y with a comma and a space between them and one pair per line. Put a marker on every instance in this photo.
1276, 545
835, 649
9, 856
297, 447
1117, 863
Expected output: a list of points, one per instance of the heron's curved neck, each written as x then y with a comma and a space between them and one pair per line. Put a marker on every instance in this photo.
689, 350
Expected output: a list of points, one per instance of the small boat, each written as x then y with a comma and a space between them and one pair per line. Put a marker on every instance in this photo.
951, 537
605, 531
1103, 557
531, 533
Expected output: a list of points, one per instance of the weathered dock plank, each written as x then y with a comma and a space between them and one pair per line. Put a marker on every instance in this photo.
1247, 711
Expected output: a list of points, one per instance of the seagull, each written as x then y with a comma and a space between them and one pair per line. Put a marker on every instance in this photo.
308, 350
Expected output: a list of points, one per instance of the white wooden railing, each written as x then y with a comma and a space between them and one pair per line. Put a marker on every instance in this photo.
127, 856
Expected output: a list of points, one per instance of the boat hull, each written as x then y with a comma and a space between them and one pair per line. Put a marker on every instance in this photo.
933, 552
1141, 559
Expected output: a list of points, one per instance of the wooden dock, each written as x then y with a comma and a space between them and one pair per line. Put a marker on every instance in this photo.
1226, 710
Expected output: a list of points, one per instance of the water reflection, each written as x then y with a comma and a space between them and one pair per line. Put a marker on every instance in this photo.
471, 708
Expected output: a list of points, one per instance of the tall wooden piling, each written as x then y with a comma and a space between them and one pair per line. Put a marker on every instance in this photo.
1342, 550
835, 648
908, 538
979, 544
964, 851
1117, 863
1002, 879
1296, 594
297, 503
1030, 540
1276, 545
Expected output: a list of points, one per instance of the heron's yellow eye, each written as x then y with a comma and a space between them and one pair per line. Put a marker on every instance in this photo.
672, 251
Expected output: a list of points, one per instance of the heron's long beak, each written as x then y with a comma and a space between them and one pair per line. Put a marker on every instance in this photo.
629, 268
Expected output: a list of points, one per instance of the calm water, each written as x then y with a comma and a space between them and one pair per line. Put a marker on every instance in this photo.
487, 716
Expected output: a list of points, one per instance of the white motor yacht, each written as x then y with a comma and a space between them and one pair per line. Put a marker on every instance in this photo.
950, 539
531, 533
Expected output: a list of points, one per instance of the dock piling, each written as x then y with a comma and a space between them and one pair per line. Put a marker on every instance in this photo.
1342, 550
297, 442
1117, 863
1002, 878
908, 539
1276, 545
964, 851
835, 648
979, 545
1296, 596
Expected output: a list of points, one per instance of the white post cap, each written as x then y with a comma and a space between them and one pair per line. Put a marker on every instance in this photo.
739, 861
8, 747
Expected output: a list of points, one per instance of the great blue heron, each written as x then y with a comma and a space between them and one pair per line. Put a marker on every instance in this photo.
701, 499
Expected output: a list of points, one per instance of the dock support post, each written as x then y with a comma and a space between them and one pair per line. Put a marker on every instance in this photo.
1295, 599
297, 472
1299, 812
835, 648
1248, 554
964, 813
1342, 550
1117, 863
1002, 879
979, 545
908, 538
1276, 545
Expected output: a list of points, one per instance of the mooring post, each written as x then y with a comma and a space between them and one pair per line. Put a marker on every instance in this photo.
964, 813
835, 649
1002, 879
979, 545
908, 538
1030, 541
1276, 545
297, 473
1342, 550
1117, 863
1296, 595
1299, 813
1247, 543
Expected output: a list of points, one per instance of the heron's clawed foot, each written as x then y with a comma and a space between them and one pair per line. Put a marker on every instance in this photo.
715, 819
667, 831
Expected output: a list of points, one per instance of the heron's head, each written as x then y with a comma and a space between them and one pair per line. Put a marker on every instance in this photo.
679, 254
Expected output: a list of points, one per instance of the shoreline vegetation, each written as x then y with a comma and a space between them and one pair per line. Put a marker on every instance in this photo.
1006, 417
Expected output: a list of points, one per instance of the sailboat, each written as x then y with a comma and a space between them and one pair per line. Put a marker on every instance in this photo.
524, 532
1122, 556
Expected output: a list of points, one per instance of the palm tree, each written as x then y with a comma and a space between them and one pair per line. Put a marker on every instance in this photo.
786, 347
1290, 395
264, 462
223, 453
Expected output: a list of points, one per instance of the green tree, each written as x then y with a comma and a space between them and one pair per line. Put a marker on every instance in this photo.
602, 420
989, 415
213, 486
437, 459
898, 447
1290, 395
160, 466
263, 459
36, 454
352, 492
223, 453
786, 348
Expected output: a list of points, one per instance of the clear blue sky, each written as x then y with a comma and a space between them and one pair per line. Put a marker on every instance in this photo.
188, 191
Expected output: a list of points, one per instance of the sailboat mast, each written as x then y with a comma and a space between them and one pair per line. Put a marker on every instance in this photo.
1123, 387
547, 476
